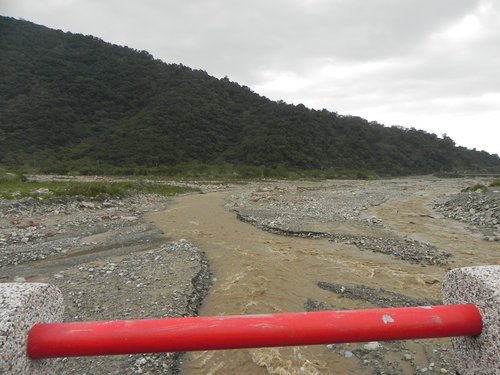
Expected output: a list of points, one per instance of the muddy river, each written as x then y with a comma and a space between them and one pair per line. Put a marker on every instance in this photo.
259, 272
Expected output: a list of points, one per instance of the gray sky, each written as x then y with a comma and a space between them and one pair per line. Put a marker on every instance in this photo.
428, 64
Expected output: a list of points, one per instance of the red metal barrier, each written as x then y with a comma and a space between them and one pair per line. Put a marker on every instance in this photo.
251, 331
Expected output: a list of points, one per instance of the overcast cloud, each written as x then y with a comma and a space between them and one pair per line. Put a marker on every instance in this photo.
428, 64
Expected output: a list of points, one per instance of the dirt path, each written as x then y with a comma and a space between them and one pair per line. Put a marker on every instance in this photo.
260, 272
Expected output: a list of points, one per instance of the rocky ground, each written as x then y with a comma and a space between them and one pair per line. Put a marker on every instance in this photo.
309, 211
109, 263
169, 281
33, 230
480, 210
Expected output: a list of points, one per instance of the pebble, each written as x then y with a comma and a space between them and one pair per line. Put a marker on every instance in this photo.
374, 345
129, 218
141, 361
43, 191
87, 204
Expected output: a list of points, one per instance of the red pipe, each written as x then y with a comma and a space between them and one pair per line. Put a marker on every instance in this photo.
250, 331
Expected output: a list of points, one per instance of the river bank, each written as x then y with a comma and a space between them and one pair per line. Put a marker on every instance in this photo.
266, 247
109, 264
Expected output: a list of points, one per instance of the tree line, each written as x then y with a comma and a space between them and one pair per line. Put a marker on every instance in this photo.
74, 103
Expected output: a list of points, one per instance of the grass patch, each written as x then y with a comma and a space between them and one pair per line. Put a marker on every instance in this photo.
495, 183
90, 189
476, 188
17, 188
11, 178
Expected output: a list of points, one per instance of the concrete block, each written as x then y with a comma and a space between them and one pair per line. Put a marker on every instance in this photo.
21, 306
481, 287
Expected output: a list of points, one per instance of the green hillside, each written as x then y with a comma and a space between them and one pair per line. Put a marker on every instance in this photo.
70, 102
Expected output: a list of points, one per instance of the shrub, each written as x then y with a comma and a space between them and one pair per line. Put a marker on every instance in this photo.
477, 187
16, 188
95, 189
9, 178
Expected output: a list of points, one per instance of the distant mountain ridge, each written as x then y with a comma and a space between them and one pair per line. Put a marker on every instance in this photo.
70, 102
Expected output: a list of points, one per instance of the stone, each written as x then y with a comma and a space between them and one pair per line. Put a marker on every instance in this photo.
374, 345
129, 218
22, 305
140, 361
479, 286
87, 204
42, 191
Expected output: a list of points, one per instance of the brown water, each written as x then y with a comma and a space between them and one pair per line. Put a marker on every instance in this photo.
259, 272
414, 218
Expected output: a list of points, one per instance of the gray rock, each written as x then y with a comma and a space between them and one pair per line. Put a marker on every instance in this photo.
43, 191
479, 286
21, 307
374, 345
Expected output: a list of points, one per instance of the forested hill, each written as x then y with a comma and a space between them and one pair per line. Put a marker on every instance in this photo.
70, 102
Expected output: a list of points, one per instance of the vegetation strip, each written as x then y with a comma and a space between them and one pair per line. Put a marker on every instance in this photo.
98, 108
15, 186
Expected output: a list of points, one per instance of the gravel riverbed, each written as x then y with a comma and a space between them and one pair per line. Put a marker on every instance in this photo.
480, 210
111, 263
334, 211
